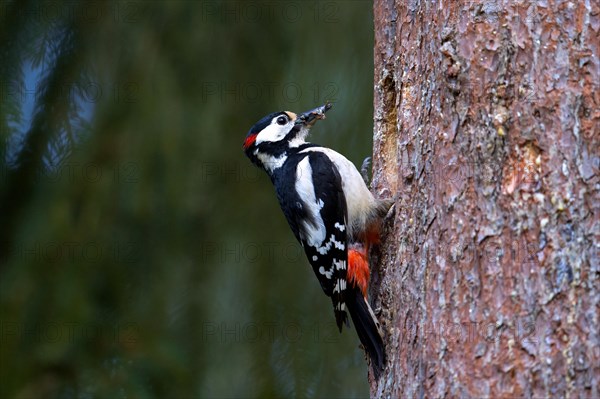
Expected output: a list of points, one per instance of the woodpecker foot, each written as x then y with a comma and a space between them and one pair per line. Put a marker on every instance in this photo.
364, 170
391, 212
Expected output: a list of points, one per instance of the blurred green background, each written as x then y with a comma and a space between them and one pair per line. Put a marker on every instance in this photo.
142, 255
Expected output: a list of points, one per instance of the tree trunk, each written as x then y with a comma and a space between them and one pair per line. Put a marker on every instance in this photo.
486, 125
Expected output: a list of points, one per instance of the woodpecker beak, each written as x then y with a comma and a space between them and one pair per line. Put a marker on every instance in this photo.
308, 118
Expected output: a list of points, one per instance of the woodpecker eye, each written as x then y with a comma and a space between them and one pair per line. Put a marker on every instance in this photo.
282, 120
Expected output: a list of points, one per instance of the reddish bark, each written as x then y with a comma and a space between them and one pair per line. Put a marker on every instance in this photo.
486, 125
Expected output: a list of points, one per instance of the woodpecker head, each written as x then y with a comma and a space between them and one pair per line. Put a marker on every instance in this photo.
268, 141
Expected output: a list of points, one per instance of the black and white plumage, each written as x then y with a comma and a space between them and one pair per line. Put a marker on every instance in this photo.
327, 206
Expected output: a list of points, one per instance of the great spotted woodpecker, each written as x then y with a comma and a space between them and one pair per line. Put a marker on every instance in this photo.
331, 211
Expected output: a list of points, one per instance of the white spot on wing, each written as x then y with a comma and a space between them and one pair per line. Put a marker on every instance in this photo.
340, 285
341, 306
340, 227
324, 249
339, 264
327, 273
315, 258
338, 244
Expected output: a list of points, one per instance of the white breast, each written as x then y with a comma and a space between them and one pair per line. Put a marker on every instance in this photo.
359, 199
313, 234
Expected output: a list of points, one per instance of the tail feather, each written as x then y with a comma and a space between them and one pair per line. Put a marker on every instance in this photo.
367, 329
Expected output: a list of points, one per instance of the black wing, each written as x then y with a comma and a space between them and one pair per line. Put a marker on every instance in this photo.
318, 215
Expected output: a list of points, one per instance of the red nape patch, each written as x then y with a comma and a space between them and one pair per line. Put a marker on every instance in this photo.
249, 141
358, 269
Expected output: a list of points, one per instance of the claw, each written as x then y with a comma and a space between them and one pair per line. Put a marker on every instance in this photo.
364, 170
391, 212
